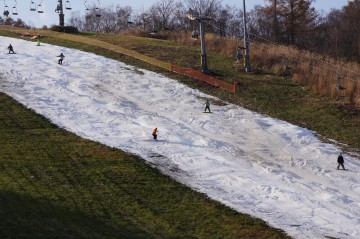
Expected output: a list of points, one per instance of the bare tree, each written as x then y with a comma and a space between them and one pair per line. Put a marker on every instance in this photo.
124, 17
76, 21
164, 13
204, 7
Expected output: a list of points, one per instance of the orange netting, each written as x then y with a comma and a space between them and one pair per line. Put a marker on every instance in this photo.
200, 76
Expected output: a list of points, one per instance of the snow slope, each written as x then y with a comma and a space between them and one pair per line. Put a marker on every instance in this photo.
253, 163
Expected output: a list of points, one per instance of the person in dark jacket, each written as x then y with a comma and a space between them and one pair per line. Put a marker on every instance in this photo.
207, 105
11, 49
340, 161
61, 59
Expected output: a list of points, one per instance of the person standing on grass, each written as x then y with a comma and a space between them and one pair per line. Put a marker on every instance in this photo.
340, 161
207, 105
154, 133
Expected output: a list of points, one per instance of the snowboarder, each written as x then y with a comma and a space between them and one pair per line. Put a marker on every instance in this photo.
154, 133
207, 105
340, 161
61, 59
11, 49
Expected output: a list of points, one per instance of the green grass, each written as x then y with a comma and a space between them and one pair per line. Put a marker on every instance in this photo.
54, 184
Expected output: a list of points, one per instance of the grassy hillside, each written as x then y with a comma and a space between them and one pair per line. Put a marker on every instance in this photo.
54, 184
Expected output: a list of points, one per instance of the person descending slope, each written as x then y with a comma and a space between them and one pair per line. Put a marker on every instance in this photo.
154, 133
61, 59
207, 105
340, 161
11, 49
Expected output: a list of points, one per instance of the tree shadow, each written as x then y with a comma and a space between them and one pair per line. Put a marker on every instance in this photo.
22, 216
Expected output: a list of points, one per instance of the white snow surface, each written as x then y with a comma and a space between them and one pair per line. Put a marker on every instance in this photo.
250, 162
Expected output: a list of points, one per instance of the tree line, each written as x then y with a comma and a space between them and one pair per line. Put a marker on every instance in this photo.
286, 22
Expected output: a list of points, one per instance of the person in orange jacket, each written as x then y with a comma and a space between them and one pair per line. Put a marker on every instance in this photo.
154, 133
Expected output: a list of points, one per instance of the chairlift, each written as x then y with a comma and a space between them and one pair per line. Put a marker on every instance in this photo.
6, 10
40, 9
86, 8
67, 5
14, 9
32, 6
87, 14
97, 13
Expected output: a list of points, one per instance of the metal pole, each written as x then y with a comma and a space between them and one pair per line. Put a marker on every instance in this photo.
203, 49
246, 43
61, 14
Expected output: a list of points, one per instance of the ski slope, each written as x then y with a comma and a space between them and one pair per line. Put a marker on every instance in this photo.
255, 164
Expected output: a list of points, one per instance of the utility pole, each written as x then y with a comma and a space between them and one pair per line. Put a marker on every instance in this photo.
246, 43
59, 9
201, 20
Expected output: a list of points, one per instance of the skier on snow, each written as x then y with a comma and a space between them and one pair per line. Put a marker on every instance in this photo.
61, 59
340, 161
11, 49
207, 105
154, 134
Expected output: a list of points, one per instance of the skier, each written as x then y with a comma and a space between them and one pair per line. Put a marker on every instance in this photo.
61, 59
207, 105
38, 40
11, 49
340, 161
154, 133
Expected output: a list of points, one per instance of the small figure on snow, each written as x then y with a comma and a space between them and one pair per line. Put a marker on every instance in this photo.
207, 105
61, 59
154, 133
340, 161
11, 49
38, 40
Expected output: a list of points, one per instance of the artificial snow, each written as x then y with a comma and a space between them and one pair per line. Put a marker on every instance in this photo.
255, 164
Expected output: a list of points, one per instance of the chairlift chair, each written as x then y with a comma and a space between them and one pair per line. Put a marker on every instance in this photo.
32, 6
67, 5
97, 13
40, 9
6, 10
14, 9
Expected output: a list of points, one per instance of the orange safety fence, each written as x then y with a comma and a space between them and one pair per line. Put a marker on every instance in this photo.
200, 76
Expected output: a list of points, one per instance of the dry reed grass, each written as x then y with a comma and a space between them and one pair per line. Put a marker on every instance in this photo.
310, 69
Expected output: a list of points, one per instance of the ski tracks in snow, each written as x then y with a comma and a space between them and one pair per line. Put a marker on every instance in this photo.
255, 164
